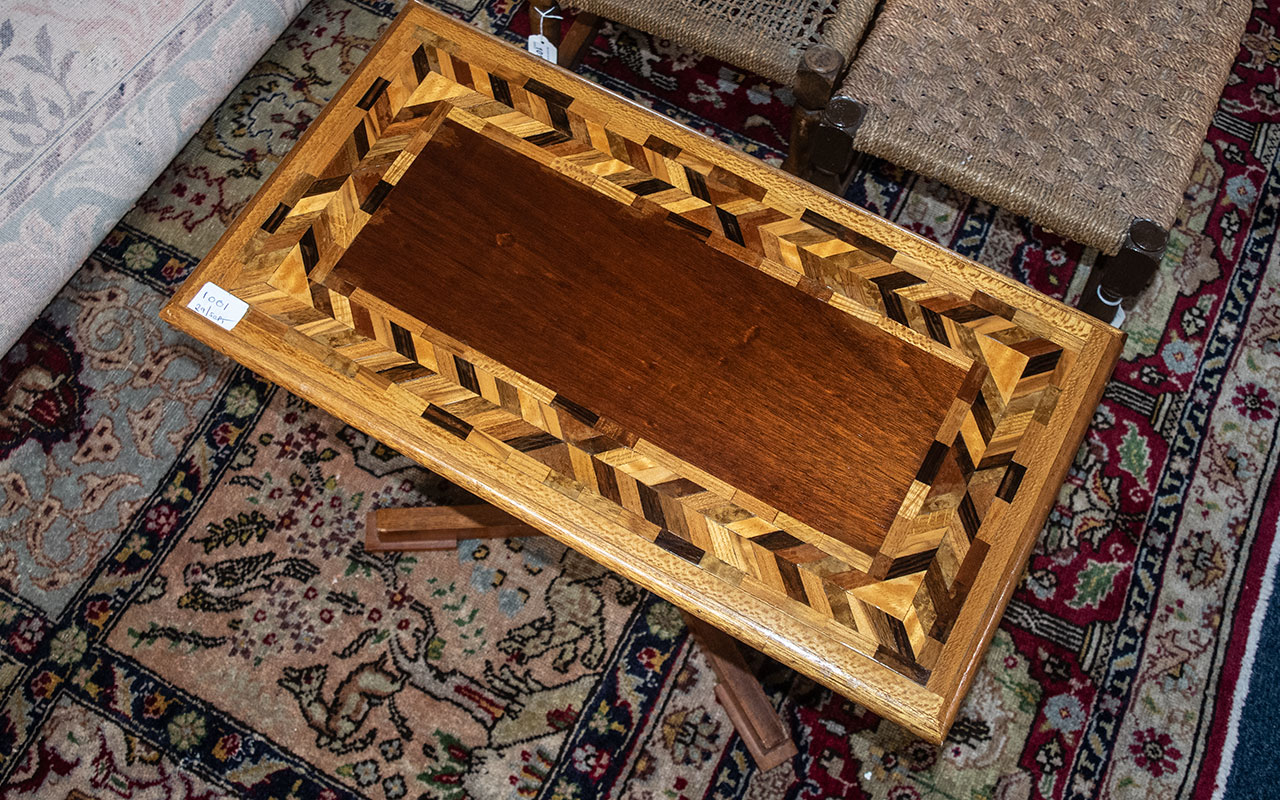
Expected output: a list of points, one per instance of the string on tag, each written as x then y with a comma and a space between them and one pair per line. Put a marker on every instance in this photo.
550, 13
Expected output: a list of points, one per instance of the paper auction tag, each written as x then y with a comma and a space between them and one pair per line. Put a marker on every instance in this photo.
217, 304
542, 47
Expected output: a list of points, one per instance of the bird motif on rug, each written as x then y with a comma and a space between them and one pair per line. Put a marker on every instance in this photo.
221, 587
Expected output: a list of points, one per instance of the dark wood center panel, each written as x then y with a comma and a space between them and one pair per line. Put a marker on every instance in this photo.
819, 414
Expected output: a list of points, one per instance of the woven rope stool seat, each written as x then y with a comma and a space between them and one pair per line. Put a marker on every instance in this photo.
1083, 115
766, 37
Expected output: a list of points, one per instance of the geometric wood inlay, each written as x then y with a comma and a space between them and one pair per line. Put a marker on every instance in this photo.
640, 322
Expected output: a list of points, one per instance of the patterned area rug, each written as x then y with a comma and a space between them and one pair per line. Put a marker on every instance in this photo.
186, 610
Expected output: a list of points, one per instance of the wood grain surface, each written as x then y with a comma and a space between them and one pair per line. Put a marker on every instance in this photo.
631, 317
819, 432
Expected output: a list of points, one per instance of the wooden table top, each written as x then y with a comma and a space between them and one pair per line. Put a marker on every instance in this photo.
819, 432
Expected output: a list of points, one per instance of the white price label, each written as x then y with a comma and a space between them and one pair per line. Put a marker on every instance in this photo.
542, 47
217, 304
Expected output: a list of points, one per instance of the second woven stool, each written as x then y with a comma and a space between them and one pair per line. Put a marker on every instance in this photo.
1085, 116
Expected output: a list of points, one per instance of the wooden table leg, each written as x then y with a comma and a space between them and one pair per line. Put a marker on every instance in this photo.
761, 728
440, 527
579, 37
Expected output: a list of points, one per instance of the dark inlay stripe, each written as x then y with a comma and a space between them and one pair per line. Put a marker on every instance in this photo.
421, 65
534, 441
273, 222
822, 222
416, 111
893, 305
730, 224
375, 198
697, 184
462, 73
310, 252
898, 635
945, 605
963, 460
969, 516
906, 565
791, 582
863, 243
559, 118
546, 139
932, 463
776, 541
534, 86
966, 313
326, 185
902, 664
403, 341
372, 94
1012, 480
688, 225
438, 416
574, 410
402, 373
933, 322
607, 481
996, 307
651, 186
361, 137
996, 460
679, 547
651, 505
661, 147
982, 416
1042, 363
466, 375
501, 89
897, 280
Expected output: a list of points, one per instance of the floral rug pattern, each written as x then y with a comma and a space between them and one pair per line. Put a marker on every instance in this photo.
186, 610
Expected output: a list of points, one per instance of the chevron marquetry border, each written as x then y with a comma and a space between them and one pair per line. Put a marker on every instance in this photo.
896, 605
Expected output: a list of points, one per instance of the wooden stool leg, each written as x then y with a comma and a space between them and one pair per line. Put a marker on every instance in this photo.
1124, 275
816, 77
439, 527
580, 35
762, 730
831, 153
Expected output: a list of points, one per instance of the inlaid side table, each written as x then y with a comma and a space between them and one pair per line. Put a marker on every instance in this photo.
816, 431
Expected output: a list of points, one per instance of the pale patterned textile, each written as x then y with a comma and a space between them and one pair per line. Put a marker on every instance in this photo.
95, 99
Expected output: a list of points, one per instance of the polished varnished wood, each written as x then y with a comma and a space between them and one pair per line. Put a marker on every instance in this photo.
439, 527
898, 622
631, 317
